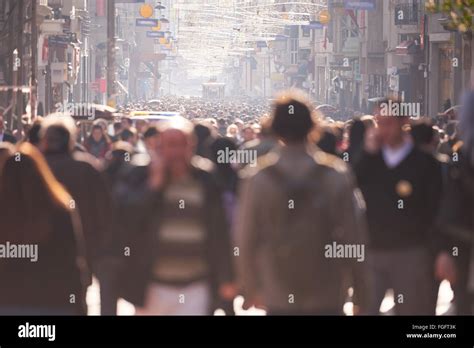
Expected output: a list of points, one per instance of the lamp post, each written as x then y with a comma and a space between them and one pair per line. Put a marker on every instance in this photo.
34, 62
111, 53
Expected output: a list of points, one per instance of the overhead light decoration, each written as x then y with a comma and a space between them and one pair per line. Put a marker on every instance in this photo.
146, 10
211, 34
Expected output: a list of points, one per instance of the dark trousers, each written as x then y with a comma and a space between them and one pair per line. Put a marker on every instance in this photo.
463, 299
107, 274
409, 272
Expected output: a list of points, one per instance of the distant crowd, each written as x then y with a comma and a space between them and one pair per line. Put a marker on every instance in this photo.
322, 212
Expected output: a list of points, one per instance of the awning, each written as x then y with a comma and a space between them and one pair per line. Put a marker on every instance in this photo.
406, 47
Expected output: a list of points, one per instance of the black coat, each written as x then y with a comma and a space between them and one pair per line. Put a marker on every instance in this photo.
87, 186
9, 138
414, 225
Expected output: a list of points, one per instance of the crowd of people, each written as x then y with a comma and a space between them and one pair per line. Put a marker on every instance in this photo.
171, 217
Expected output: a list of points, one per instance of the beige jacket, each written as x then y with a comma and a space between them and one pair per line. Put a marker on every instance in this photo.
258, 219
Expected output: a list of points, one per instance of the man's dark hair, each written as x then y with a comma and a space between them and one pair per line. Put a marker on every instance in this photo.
150, 132
57, 138
126, 134
292, 118
422, 133
96, 126
34, 133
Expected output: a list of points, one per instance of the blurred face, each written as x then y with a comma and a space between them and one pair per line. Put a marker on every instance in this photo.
248, 134
233, 131
125, 124
151, 143
97, 134
390, 130
240, 125
141, 126
176, 148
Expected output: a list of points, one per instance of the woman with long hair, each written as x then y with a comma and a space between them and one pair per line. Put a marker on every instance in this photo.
98, 142
41, 244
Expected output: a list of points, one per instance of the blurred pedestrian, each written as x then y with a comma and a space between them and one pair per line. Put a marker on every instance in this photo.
181, 259
51, 281
85, 183
6, 150
289, 220
98, 142
4, 135
402, 188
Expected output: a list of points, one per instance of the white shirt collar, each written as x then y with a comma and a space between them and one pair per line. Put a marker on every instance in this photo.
393, 157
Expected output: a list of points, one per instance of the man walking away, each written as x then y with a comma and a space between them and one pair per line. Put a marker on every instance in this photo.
291, 220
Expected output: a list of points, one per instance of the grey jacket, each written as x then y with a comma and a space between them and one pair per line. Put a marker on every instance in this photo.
258, 218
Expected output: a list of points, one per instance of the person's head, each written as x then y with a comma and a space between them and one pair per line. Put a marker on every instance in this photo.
34, 131
328, 141
28, 188
102, 123
142, 126
126, 123
292, 117
248, 133
129, 135
257, 129
6, 150
357, 134
423, 135
369, 121
119, 152
232, 131
225, 169
97, 133
390, 126
150, 138
117, 128
57, 135
176, 143
204, 134
239, 123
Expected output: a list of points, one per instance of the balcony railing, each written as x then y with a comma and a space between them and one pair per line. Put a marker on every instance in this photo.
55, 3
406, 14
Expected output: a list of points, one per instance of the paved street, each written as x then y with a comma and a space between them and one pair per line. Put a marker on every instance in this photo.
444, 306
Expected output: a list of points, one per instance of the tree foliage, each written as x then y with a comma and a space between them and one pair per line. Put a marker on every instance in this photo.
459, 13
